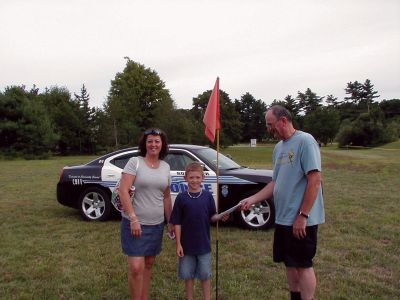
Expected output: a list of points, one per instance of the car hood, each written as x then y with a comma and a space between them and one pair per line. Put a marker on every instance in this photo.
254, 175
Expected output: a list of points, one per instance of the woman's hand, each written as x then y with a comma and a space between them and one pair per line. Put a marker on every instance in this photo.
136, 229
171, 231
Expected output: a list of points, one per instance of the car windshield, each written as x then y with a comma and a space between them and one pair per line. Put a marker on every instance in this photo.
210, 155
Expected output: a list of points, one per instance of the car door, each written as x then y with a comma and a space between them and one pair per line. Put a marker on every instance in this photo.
113, 166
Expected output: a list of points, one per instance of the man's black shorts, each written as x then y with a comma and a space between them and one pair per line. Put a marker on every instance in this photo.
295, 253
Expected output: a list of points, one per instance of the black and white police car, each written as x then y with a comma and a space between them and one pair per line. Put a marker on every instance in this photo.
88, 187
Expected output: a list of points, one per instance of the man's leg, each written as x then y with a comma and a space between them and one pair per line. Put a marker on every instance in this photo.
302, 280
307, 283
293, 282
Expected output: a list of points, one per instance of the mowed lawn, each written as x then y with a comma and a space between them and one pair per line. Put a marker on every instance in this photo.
48, 252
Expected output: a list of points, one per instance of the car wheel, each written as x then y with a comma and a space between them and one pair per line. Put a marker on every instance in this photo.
259, 216
95, 204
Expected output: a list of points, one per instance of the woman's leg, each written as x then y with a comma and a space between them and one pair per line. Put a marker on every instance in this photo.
148, 265
136, 266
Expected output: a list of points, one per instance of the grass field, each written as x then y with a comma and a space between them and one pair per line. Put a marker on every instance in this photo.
48, 252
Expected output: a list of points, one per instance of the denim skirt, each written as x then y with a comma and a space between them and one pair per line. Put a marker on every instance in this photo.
148, 244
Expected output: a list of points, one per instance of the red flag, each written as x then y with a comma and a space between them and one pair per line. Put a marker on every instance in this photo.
212, 115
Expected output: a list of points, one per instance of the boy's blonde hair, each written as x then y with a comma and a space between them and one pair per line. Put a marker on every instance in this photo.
194, 166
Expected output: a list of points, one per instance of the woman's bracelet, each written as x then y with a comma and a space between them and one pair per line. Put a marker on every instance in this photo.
132, 216
133, 222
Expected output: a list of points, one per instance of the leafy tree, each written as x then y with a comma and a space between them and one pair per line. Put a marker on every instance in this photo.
25, 126
252, 117
323, 124
230, 119
137, 100
65, 114
365, 131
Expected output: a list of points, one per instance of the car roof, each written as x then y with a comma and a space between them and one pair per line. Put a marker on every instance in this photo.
171, 146
187, 146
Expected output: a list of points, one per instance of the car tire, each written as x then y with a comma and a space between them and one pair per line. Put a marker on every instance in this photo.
95, 204
259, 216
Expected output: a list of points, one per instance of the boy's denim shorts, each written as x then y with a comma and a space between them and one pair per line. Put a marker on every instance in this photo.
195, 266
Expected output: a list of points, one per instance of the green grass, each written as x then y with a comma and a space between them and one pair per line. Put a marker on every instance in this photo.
48, 252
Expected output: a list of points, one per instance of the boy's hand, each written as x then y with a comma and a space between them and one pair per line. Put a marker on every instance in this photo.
179, 251
225, 218
218, 217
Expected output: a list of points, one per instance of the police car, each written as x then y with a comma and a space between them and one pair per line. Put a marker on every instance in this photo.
88, 187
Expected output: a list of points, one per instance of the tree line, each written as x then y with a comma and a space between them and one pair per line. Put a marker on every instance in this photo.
37, 124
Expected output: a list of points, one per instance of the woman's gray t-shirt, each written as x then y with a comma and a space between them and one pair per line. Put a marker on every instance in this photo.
150, 185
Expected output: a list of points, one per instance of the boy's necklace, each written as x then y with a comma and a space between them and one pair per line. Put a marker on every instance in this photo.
194, 197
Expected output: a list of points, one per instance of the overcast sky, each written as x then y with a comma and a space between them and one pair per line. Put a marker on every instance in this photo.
267, 48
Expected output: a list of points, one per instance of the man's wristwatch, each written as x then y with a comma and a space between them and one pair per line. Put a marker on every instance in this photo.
303, 215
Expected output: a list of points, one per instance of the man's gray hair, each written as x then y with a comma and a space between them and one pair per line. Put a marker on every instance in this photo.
279, 111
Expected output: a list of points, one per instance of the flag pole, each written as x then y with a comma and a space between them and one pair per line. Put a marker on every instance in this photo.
212, 124
216, 242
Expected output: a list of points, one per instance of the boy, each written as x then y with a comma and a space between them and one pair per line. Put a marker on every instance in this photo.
191, 216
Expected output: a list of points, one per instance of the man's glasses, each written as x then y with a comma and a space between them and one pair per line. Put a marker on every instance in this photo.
153, 132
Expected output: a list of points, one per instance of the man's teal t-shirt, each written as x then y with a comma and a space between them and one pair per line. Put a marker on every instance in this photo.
292, 160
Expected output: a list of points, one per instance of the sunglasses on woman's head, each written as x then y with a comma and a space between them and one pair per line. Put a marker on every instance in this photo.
152, 131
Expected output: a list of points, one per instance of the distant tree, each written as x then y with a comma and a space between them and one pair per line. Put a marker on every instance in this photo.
348, 111
277, 102
251, 113
361, 94
332, 101
292, 105
85, 130
101, 138
308, 101
230, 118
391, 108
368, 94
354, 90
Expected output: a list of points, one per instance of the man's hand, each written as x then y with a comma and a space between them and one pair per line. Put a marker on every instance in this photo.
246, 204
299, 227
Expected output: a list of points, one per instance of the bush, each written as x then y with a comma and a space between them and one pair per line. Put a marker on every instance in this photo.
366, 132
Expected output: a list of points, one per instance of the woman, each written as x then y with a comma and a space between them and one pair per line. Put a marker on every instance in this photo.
143, 218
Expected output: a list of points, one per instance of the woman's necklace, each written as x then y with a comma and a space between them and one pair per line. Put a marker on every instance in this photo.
195, 197
152, 165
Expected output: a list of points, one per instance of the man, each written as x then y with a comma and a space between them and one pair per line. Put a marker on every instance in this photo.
296, 188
